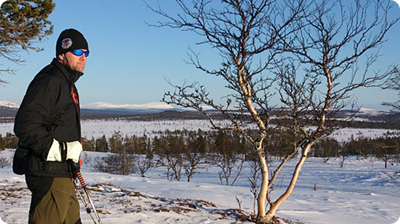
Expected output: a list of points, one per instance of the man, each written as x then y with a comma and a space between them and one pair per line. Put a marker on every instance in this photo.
48, 127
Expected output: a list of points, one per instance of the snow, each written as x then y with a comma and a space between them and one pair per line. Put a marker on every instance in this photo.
371, 112
5, 103
98, 128
363, 191
103, 105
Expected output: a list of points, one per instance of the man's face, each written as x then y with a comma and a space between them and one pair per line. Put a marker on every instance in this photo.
74, 62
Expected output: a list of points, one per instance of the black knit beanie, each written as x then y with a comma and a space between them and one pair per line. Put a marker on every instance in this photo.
69, 40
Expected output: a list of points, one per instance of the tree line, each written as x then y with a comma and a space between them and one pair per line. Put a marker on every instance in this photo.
184, 150
185, 153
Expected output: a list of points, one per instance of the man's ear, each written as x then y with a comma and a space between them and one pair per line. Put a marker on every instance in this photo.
60, 57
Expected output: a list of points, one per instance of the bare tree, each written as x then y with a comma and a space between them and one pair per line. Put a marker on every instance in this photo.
253, 179
335, 37
324, 39
194, 155
243, 32
143, 164
229, 155
173, 155
393, 83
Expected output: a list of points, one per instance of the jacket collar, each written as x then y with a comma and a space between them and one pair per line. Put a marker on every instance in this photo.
70, 75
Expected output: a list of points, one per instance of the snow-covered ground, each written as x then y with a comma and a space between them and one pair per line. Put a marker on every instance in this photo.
362, 192
98, 128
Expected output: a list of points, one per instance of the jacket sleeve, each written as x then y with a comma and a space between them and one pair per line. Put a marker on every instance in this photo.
34, 114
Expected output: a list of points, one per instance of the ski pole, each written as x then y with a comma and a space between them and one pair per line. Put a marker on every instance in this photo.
88, 210
79, 175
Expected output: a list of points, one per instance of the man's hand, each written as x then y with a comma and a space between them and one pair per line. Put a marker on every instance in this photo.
75, 168
63, 151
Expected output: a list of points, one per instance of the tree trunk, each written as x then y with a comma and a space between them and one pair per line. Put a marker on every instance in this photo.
274, 206
262, 196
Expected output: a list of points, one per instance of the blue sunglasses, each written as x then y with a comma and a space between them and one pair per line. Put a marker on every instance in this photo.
80, 52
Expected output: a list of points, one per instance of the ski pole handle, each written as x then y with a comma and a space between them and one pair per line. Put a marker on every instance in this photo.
79, 175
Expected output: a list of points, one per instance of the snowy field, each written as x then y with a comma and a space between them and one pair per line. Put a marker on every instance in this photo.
362, 192
98, 128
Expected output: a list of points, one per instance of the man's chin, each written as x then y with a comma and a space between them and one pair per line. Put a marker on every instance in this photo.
79, 69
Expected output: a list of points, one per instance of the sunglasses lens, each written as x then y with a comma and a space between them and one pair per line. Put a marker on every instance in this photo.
80, 52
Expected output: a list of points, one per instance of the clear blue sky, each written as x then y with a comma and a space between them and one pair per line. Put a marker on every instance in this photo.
129, 61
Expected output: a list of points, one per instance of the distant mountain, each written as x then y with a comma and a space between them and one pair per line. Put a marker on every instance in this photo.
146, 106
373, 112
5, 103
162, 110
110, 112
101, 109
8, 109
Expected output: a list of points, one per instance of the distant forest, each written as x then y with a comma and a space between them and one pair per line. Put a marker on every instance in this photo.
185, 150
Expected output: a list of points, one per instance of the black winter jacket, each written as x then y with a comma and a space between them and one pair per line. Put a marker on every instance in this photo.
48, 112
